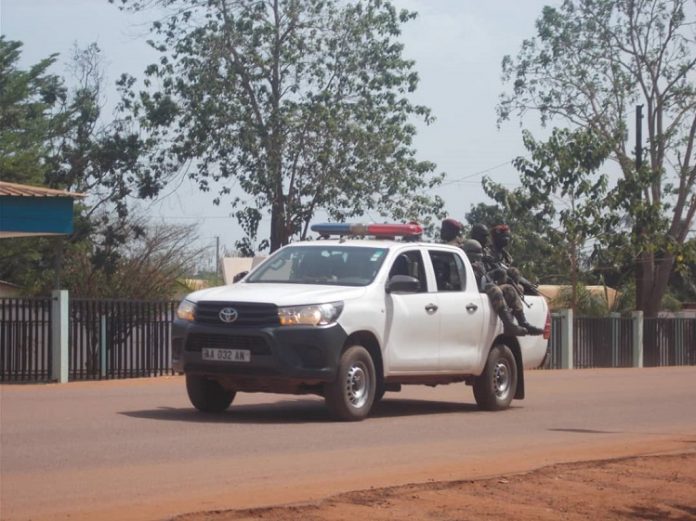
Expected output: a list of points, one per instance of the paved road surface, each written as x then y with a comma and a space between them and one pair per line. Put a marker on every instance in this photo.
137, 450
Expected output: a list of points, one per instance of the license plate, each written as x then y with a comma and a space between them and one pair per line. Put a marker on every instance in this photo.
226, 355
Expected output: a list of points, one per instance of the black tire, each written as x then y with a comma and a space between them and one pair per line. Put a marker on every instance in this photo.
496, 387
208, 395
351, 395
379, 393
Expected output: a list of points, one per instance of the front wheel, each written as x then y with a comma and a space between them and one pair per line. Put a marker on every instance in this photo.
351, 395
495, 388
208, 395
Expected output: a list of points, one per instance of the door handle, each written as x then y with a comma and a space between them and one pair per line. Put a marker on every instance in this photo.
431, 308
471, 308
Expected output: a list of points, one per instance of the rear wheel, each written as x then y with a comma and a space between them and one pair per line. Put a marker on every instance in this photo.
208, 395
351, 395
495, 388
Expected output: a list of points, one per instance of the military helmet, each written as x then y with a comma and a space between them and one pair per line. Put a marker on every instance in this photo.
472, 246
473, 249
480, 233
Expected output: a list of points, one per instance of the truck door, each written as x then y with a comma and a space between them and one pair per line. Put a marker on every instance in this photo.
412, 323
462, 312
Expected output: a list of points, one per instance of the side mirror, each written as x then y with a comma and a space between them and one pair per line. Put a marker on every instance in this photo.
239, 276
403, 284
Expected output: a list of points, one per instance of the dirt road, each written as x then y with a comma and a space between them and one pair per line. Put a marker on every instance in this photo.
627, 489
136, 449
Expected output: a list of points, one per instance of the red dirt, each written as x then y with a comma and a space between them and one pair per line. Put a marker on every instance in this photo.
636, 488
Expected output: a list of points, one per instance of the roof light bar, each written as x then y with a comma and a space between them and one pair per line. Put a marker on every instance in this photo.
394, 229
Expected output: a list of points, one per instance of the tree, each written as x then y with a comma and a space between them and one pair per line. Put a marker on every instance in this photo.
146, 268
589, 63
563, 172
54, 135
302, 105
27, 102
535, 247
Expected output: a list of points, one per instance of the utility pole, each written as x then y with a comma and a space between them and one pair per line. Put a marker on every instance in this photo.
217, 259
640, 266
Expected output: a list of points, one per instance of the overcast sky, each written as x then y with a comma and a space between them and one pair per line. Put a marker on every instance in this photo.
458, 46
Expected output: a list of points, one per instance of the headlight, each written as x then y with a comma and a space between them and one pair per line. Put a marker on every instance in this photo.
186, 311
313, 315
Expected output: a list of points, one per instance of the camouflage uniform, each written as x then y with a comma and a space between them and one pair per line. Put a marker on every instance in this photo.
503, 298
511, 282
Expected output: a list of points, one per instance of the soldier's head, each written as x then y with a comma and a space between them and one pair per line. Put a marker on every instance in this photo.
480, 233
450, 229
473, 250
501, 235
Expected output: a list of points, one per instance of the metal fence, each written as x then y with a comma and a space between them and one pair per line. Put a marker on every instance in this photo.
602, 342
107, 339
25, 339
669, 341
119, 338
126, 339
553, 358
608, 342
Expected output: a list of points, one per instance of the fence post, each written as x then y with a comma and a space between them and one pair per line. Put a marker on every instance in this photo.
637, 317
59, 335
678, 341
102, 346
566, 339
615, 338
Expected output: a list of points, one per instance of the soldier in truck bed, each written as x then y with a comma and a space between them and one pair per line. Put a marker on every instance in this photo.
498, 283
501, 259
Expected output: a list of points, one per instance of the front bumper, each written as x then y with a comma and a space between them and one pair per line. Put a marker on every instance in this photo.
281, 357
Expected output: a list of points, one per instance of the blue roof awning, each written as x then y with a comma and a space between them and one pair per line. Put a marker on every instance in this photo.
29, 210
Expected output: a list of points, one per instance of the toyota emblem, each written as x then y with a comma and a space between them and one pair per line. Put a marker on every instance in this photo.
228, 315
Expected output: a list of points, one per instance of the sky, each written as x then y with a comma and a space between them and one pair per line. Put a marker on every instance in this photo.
458, 46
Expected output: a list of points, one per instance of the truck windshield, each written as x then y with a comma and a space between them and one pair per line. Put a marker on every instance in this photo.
333, 264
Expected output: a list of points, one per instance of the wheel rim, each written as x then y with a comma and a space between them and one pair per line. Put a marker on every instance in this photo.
501, 378
357, 385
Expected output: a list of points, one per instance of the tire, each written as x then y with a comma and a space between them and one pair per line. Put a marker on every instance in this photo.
351, 395
208, 395
496, 387
379, 393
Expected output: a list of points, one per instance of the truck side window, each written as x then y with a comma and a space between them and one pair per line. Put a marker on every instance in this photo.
410, 263
448, 270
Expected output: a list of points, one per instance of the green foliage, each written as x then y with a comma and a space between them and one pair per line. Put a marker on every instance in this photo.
589, 63
54, 136
562, 183
27, 102
536, 245
297, 105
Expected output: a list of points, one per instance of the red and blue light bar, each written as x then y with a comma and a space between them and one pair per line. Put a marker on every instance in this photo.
385, 229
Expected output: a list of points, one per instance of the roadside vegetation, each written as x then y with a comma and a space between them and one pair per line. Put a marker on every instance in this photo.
289, 109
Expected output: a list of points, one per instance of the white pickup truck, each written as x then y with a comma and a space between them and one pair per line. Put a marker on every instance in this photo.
350, 319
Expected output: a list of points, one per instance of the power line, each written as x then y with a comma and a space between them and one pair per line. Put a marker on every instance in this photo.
481, 172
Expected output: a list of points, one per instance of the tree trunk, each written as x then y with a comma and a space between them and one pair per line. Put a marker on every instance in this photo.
278, 229
654, 282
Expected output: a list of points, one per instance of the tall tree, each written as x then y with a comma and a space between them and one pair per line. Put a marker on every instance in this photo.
561, 177
301, 105
536, 245
28, 99
52, 132
589, 63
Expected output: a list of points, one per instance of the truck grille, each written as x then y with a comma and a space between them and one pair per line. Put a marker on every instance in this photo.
256, 344
248, 314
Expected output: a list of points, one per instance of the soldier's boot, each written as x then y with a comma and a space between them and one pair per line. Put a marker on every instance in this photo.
509, 327
522, 321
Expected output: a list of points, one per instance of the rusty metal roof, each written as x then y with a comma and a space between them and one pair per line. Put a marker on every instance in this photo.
17, 190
